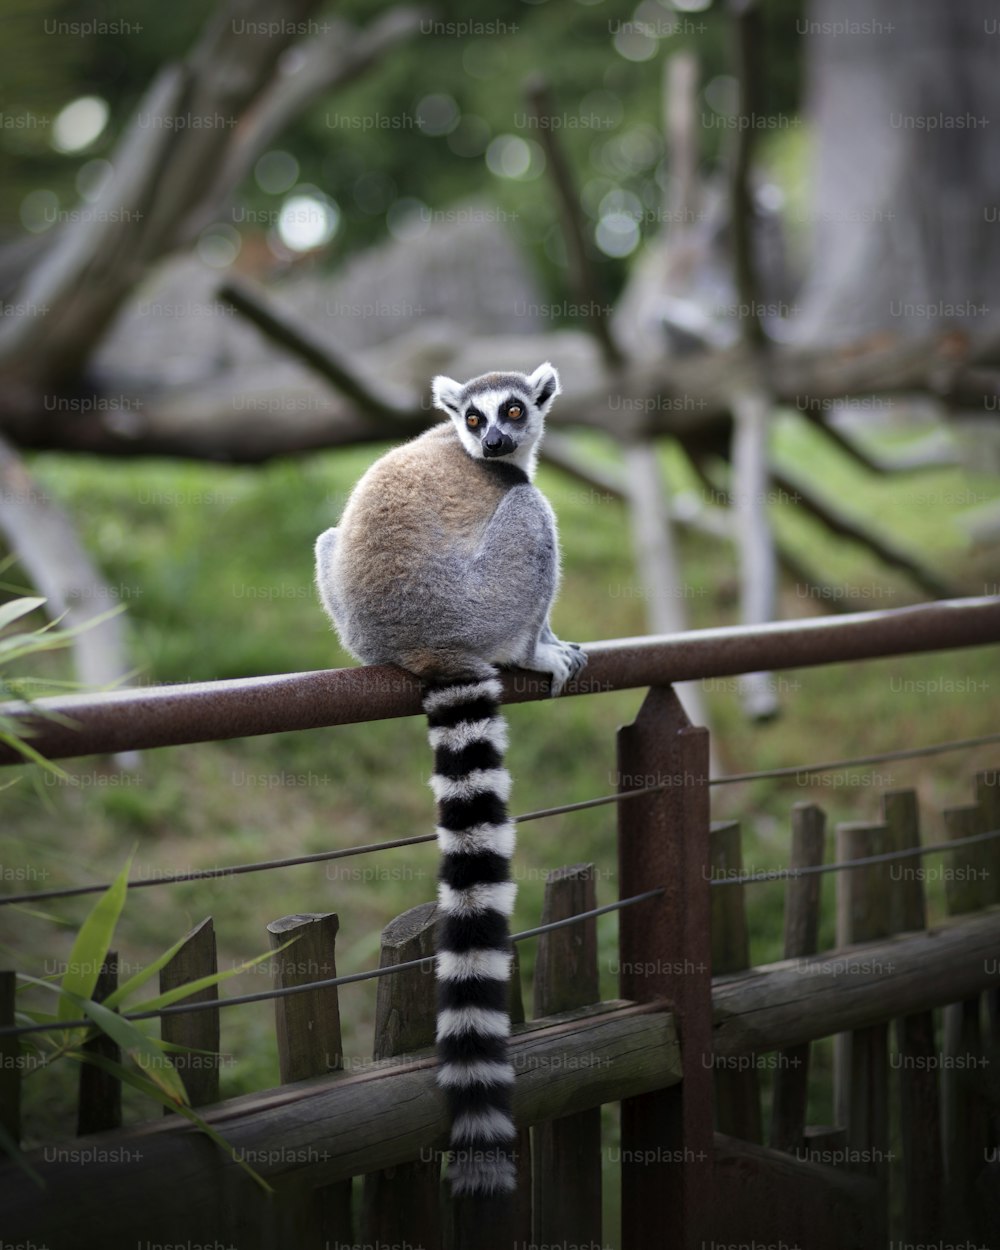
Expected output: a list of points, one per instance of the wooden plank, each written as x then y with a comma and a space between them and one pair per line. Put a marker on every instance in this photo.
567, 1152
921, 1168
861, 1058
308, 1025
665, 955
824, 1143
800, 1000
100, 1100
404, 1203
200, 1030
11, 1059
787, 1202
861, 1094
802, 915
330, 1128
963, 1107
309, 1045
737, 1089
988, 798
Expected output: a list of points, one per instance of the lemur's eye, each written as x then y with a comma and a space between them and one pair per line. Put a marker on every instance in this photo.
515, 412
471, 420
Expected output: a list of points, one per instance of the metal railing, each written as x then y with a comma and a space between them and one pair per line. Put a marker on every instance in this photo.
146, 717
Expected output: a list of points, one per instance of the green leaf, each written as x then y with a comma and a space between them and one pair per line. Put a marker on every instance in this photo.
13, 611
144, 1051
29, 753
117, 997
11, 1148
93, 943
192, 987
147, 1087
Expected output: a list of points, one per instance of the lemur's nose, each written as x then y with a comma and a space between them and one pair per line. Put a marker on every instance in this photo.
494, 441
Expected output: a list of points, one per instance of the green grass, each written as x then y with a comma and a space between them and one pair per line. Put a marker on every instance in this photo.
214, 565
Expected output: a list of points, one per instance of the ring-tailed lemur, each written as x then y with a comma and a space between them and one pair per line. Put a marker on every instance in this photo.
446, 562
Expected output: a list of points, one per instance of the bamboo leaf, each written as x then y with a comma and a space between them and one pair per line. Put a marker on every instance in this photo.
13, 611
181, 992
11, 1148
29, 753
142, 1083
144, 1051
93, 943
117, 997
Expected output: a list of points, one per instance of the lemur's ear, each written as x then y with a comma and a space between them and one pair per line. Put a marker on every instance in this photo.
445, 392
545, 386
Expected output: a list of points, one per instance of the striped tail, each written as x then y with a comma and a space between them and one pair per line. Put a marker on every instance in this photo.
475, 899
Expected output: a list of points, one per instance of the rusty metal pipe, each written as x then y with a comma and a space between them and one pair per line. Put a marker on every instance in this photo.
144, 717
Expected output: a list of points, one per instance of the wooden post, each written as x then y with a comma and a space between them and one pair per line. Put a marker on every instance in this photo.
988, 798
100, 1105
802, 914
404, 1203
309, 1044
737, 1093
195, 959
963, 1108
919, 1109
862, 1065
10, 1059
665, 953
567, 1152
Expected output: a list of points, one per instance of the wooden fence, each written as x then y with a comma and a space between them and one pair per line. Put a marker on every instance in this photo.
708, 1057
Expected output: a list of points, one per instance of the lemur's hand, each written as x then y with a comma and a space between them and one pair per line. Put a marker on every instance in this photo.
564, 660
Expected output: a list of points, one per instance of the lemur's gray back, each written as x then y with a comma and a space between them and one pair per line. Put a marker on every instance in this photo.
446, 563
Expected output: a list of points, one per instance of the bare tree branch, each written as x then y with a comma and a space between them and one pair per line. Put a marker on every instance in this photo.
372, 394
752, 404
840, 523
333, 59
932, 452
663, 588
47, 547
687, 398
583, 277
225, 96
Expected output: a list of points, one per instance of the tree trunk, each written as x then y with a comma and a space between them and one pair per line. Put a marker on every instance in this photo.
905, 219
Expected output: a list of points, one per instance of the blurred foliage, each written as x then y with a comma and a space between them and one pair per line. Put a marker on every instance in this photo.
415, 128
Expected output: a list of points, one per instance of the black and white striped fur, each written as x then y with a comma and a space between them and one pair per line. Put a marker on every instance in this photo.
475, 900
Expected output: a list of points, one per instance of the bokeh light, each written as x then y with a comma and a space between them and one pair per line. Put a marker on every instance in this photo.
437, 115
308, 219
219, 245
79, 124
92, 179
617, 235
510, 156
276, 172
39, 211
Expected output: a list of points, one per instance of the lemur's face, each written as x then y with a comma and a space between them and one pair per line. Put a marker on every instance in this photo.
498, 414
